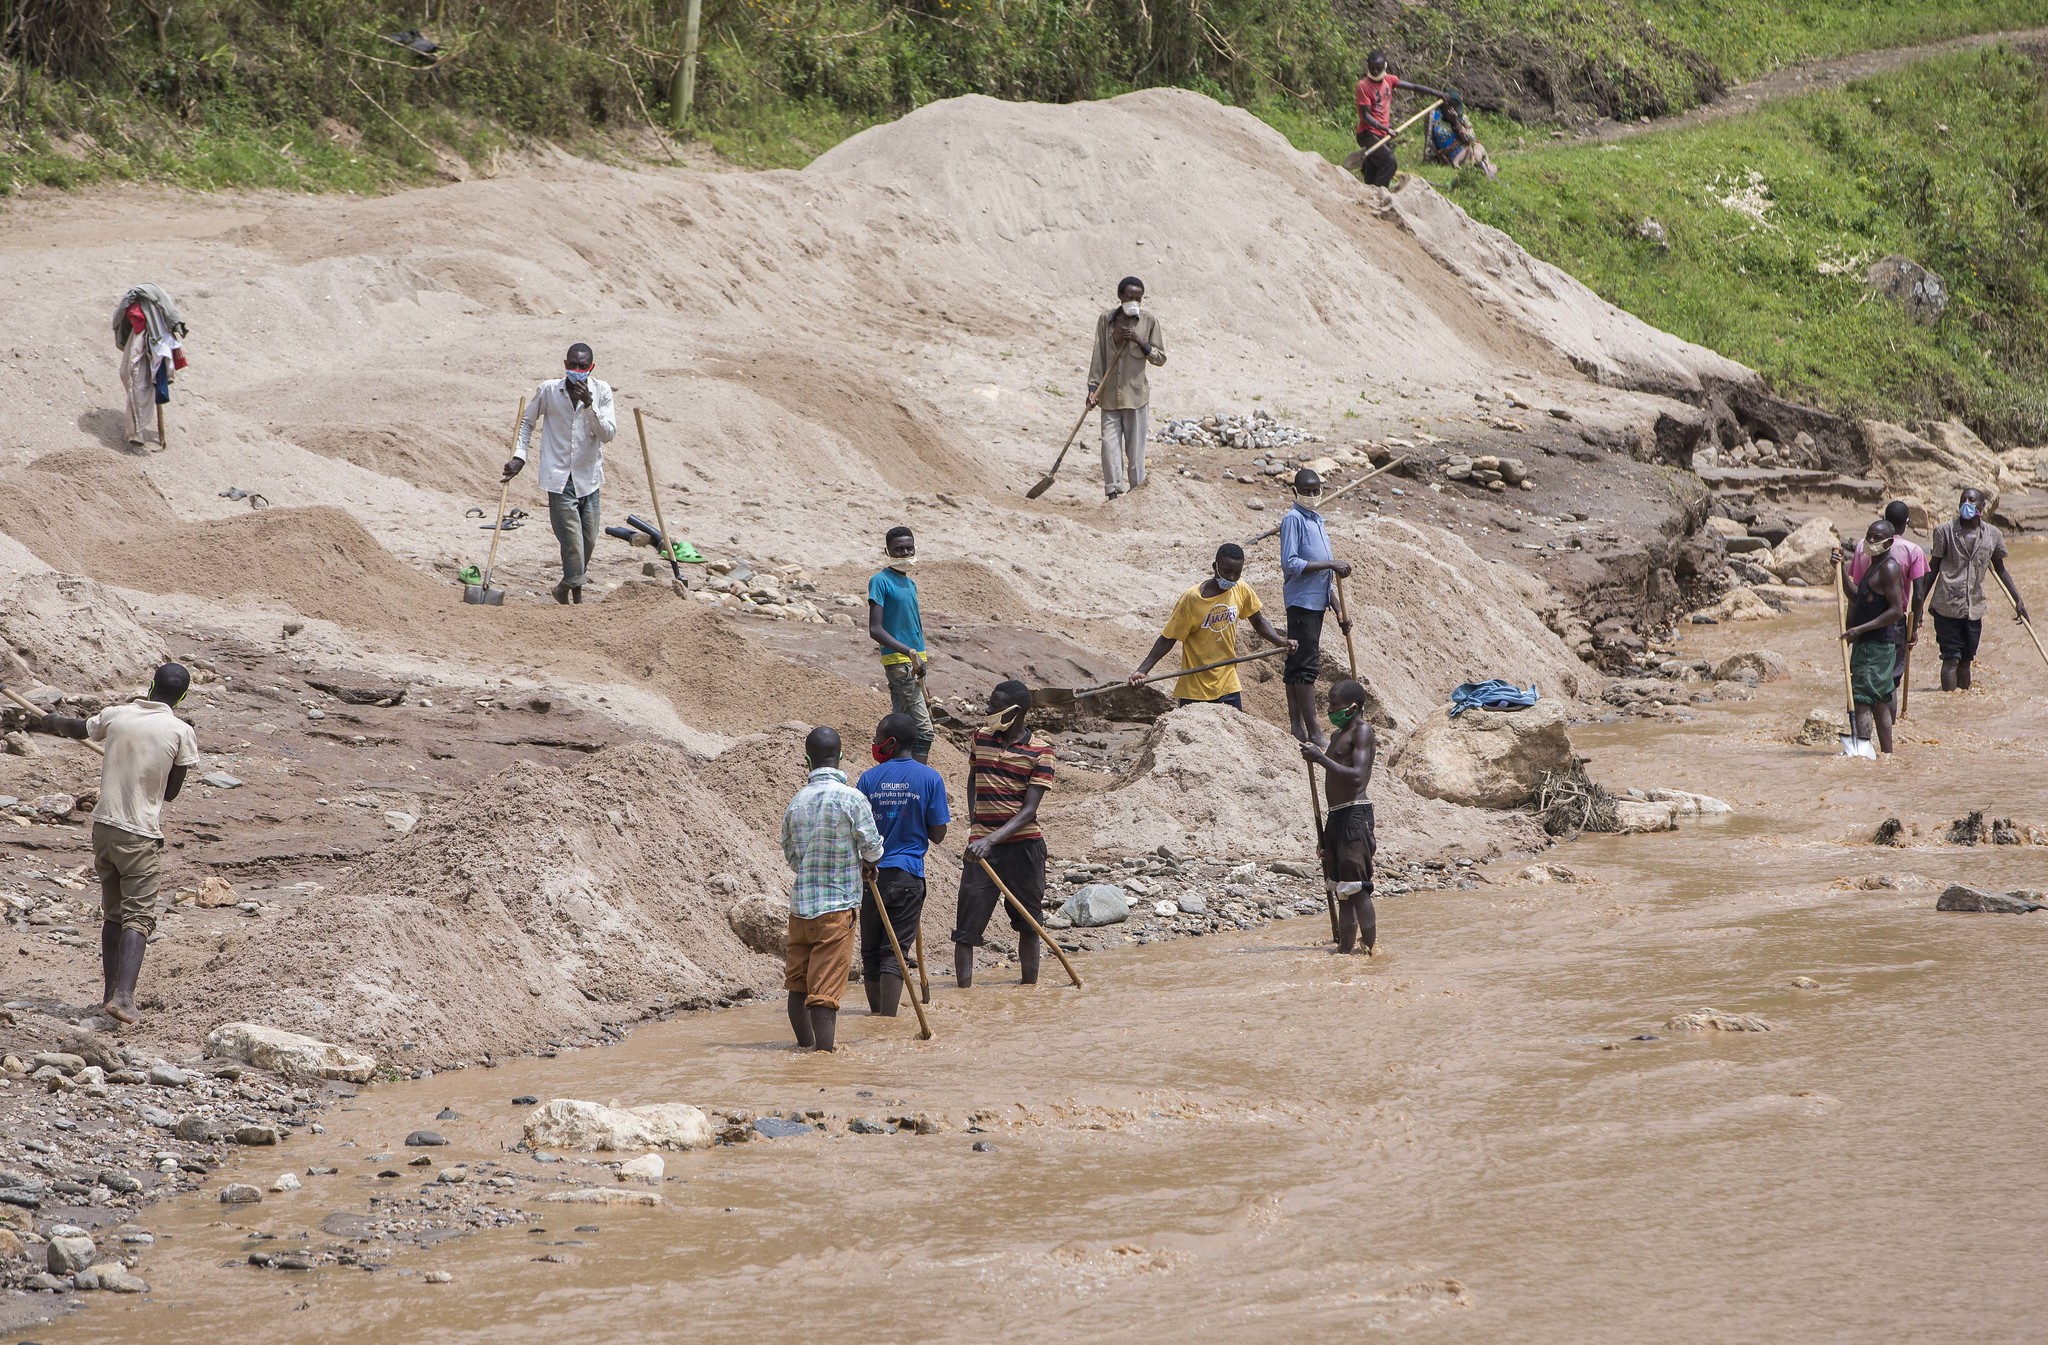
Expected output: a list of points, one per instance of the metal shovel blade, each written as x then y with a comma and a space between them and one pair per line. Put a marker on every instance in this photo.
480, 596
1853, 746
1043, 698
1044, 484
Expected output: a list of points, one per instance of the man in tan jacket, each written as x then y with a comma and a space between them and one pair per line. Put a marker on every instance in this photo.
1127, 338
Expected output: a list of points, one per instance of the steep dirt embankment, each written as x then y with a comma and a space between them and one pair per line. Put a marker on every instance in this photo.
897, 333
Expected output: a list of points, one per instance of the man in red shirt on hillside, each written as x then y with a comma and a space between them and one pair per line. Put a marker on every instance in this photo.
1376, 117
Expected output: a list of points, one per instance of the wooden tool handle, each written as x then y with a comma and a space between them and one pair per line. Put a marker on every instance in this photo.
1032, 921
1185, 672
38, 712
1338, 493
504, 494
1842, 613
1315, 799
668, 543
1344, 623
1374, 147
924, 1027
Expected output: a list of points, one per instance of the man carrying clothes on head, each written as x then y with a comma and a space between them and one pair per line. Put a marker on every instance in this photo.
829, 838
1376, 117
1127, 339
1310, 570
148, 752
1205, 622
1348, 842
578, 411
909, 803
1009, 768
895, 624
1912, 561
1963, 550
1877, 604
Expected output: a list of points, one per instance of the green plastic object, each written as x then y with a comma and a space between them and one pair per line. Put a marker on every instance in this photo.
471, 575
685, 554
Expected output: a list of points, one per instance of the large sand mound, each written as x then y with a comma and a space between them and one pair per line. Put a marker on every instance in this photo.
1217, 783
543, 904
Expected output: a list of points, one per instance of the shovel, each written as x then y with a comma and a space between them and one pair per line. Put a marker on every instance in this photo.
1852, 746
481, 594
1051, 697
1331, 497
1356, 158
37, 710
1045, 482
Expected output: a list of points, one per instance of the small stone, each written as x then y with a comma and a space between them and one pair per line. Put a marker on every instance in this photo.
1805, 983
646, 1168
1713, 1020
452, 1176
258, 1135
775, 1128
421, 1139
984, 1147
863, 1126
598, 1195
60, 1060
69, 1253
115, 1180
286, 1181
10, 1246
1192, 903
168, 1076
195, 1129
220, 780
157, 1116
400, 822
447, 1114
526, 1100
1961, 898
421, 1162
239, 1193
438, 1277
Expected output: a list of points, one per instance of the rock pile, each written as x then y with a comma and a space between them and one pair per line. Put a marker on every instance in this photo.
1496, 473
777, 591
1261, 429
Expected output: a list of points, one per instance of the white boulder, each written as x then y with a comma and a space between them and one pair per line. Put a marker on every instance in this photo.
565, 1123
290, 1054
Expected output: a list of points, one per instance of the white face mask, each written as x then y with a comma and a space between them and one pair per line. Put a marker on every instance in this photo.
902, 564
1130, 308
1308, 501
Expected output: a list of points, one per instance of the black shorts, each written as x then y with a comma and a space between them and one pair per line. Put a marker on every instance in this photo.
1305, 628
1235, 700
1348, 846
1021, 866
903, 894
1957, 637
1380, 166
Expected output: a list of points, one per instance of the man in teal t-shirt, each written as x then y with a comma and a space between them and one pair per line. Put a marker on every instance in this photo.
895, 625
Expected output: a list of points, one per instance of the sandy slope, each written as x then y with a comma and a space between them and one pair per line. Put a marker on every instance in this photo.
897, 332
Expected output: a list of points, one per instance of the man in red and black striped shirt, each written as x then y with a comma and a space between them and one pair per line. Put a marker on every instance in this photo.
1009, 769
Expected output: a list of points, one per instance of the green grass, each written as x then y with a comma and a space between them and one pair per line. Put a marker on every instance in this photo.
1945, 162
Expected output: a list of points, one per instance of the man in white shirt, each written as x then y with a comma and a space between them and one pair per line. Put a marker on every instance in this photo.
579, 423
148, 751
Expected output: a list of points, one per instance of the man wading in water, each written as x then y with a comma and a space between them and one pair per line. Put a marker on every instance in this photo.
1347, 841
1009, 768
829, 838
1957, 559
1877, 604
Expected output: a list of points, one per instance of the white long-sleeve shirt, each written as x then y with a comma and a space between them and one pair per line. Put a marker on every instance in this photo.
572, 442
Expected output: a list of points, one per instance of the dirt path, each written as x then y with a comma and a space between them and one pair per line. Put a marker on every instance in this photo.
1806, 77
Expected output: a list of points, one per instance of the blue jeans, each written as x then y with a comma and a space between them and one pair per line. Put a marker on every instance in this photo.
574, 520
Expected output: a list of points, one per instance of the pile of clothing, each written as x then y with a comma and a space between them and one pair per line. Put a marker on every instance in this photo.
150, 336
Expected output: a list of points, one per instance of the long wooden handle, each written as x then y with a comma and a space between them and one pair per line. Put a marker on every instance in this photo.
37, 711
2023, 620
924, 1027
1374, 148
1071, 436
1842, 612
924, 983
1032, 921
1274, 652
1338, 494
668, 543
504, 494
1315, 799
1344, 621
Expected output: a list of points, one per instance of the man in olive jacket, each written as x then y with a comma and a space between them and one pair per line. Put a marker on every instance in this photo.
1127, 338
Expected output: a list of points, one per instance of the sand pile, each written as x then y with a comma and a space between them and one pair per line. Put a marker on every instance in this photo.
73, 634
1214, 783
544, 903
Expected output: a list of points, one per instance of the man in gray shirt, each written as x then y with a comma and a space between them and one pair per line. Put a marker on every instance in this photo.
1127, 339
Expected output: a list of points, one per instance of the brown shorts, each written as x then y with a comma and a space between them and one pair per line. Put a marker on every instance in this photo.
1348, 847
128, 867
820, 957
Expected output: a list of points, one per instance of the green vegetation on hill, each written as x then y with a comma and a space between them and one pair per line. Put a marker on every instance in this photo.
308, 94
1772, 219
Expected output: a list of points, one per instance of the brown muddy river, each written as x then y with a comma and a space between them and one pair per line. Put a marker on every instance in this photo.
1248, 1138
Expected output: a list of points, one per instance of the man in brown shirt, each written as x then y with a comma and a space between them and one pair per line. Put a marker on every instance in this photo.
1127, 339
1958, 557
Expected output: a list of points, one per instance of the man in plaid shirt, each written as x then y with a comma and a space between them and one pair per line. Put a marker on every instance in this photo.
829, 838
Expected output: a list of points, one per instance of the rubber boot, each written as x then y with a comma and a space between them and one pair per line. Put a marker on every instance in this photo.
886, 995
1347, 924
874, 993
1028, 952
963, 965
128, 951
1948, 676
824, 1028
110, 942
1963, 675
800, 1020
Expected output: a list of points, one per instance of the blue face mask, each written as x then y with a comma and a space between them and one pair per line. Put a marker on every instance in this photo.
1967, 511
576, 375
1224, 585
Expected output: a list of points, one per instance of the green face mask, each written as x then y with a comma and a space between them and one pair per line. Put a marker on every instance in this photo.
1343, 718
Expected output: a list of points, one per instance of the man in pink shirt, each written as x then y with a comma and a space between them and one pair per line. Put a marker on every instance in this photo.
1912, 559
1376, 117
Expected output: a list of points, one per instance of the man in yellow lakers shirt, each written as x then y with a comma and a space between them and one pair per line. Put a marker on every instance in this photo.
1204, 623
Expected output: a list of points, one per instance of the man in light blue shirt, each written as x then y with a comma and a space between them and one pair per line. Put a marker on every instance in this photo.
1310, 570
829, 838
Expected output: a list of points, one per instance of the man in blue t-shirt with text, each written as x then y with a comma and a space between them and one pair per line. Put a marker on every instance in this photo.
895, 624
909, 802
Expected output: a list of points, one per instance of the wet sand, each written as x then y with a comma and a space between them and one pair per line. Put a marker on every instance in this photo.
1250, 1137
